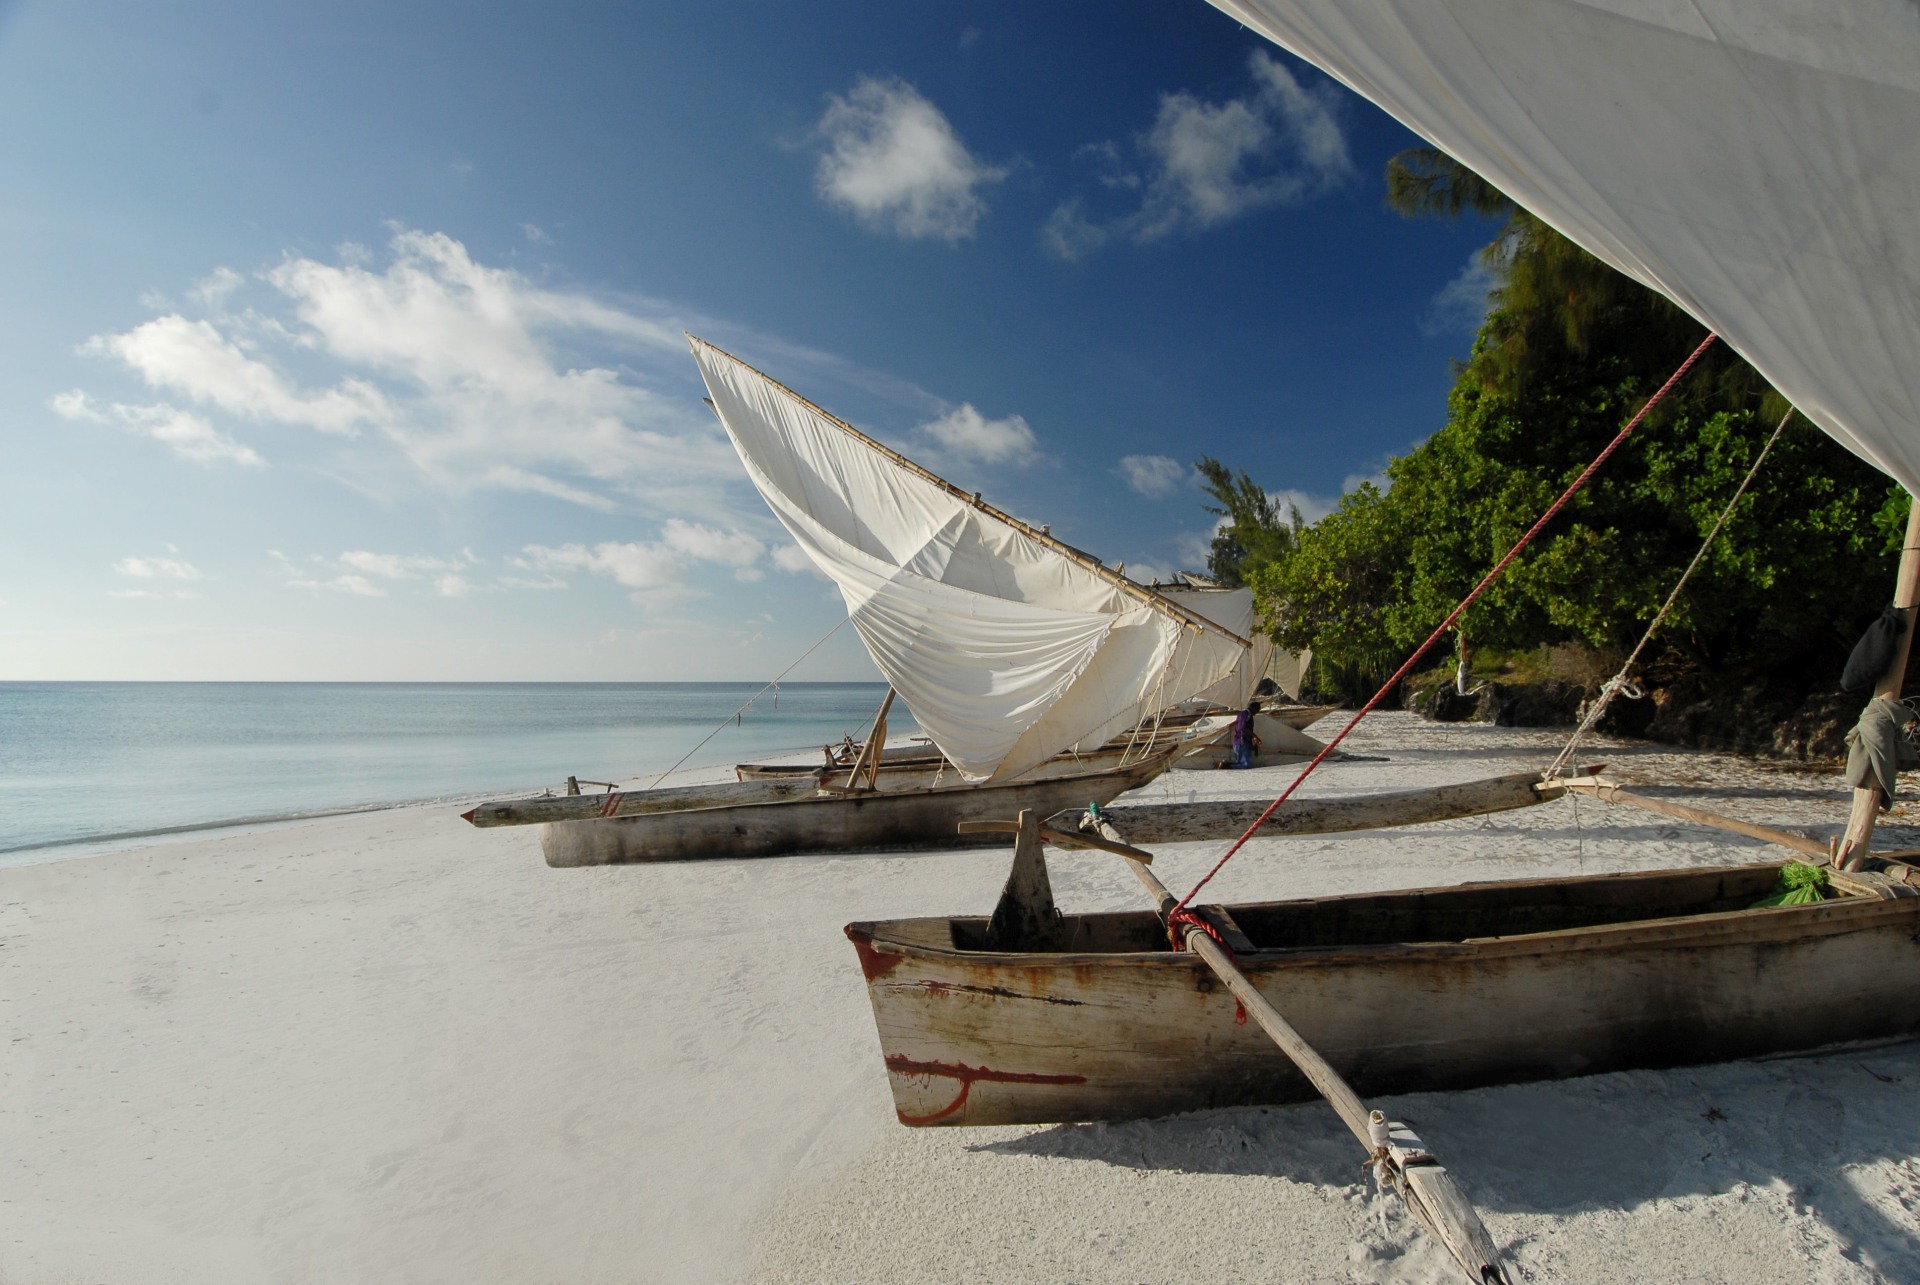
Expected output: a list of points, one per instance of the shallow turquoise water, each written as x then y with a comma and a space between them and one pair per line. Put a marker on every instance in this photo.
83, 762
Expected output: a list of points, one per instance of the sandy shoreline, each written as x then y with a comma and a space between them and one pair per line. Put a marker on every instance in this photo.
388, 1046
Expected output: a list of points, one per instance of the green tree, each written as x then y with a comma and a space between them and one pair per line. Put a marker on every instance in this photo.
1568, 351
1256, 531
1333, 592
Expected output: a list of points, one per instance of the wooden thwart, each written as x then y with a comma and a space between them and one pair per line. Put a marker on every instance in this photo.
1060, 838
1403, 1161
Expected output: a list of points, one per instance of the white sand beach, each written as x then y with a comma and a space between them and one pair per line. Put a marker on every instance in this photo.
391, 1047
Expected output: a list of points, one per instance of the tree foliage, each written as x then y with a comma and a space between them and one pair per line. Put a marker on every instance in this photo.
1255, 529
1568, 351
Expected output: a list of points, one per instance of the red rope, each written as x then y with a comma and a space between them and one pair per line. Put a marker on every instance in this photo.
1180, 915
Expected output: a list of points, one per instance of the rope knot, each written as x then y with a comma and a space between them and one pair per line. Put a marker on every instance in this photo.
1180, 918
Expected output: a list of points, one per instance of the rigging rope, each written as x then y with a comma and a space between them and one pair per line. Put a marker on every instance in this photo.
1619, 681
750, 700
1180, 914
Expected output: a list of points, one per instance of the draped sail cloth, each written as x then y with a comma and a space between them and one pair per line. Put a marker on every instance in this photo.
1756, 161
1005, 647
1232, 610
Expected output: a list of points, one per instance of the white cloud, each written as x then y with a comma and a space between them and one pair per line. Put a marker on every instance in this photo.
192, 357
729, 548
157, 569
216, 286
451, 366
356, 585
182, 432
1148, 572
1354, 481
1202, 164
1154, 476
360, 571
792, 558
967, 434
1311, 507
895, 162
534, 233
633, 564
404, 566
651, 567
1461, 305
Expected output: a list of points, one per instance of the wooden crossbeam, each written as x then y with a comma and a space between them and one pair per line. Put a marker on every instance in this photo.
1062, 838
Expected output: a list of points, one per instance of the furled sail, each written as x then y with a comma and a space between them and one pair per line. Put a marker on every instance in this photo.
1756, 161
1006, 646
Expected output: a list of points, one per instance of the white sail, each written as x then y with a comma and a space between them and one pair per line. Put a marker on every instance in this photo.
1232, 610
1756, 161
1006, 647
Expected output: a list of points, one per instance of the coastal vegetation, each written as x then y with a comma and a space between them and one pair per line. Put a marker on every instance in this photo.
1568, 350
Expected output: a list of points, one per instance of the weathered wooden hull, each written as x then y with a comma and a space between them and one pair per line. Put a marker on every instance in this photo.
916, 770
885, 819
1433, 989
928, 762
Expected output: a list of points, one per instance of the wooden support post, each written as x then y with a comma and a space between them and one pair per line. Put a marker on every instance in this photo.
1429, 1190
1025, 918
1906, 595
868, 760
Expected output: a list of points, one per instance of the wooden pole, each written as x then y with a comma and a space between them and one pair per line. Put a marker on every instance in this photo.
1906, 594
868, 759
1601, 788
1429, 1190
1151, 823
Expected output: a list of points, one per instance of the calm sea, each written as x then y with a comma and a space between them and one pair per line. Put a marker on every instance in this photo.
85, 762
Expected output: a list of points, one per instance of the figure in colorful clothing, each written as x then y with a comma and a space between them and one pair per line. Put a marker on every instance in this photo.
1245, 743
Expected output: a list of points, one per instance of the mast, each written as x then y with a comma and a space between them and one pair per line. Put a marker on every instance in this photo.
1191, 619
1906, 596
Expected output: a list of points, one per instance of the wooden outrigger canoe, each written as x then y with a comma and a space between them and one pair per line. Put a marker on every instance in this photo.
1400, 991
929, 767
771, 818
1172, 729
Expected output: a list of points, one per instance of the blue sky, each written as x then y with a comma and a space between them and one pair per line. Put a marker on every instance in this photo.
343, 342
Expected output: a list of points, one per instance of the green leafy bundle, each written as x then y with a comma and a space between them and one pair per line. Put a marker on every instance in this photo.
1800, 885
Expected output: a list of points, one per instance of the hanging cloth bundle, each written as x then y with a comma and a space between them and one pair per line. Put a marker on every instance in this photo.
1874, 652
1876, 750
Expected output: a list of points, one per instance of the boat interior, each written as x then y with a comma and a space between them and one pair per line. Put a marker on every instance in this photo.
1464, 913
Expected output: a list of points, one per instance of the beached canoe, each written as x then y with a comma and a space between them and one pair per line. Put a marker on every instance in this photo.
1174, 728
793, 817
1437, 988
922, 769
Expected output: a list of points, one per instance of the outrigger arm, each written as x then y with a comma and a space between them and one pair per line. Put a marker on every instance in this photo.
1399, 1158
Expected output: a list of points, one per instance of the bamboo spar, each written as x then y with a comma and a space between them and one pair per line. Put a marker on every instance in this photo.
1429, 1190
